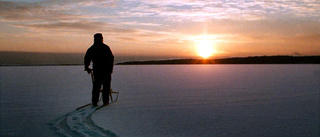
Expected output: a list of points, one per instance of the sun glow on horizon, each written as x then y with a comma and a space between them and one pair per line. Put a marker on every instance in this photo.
205, 48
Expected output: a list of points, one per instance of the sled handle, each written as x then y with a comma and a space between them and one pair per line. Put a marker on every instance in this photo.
92, 77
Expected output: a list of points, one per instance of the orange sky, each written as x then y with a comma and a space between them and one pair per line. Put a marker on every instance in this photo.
163, 28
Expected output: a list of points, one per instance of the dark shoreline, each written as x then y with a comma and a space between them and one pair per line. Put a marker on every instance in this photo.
235, 60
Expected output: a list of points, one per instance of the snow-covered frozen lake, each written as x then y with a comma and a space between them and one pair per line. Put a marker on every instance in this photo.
164, 100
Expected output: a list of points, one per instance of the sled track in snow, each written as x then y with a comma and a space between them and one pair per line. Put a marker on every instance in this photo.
79, 123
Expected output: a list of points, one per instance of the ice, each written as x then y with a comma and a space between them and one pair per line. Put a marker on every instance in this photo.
163, 100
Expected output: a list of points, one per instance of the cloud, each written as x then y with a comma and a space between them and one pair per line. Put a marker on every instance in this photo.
12, 11
128, 39
279, 26
79, 26
208, 9
136, 23
86, 25
145, 20
150, 13
56, 13
59, 16
26, 13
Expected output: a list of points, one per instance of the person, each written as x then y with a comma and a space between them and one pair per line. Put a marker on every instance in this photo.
102, 59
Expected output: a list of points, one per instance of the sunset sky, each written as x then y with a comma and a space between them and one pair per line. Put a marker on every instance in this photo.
166, 28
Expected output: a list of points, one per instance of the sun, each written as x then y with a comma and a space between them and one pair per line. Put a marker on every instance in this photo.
205, 48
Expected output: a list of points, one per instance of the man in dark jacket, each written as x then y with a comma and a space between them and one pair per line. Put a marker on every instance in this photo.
102, 59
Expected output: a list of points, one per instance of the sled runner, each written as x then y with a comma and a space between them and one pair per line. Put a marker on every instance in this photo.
110, 93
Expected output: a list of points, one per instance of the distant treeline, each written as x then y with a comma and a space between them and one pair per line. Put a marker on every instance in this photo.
235, 60
8, 58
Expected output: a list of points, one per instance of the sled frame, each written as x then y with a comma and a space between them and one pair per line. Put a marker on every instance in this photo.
110, 93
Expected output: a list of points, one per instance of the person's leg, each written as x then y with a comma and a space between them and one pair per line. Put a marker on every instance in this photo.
96, 90
106, 89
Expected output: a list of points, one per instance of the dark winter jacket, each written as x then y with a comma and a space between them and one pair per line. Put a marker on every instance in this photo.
101, 56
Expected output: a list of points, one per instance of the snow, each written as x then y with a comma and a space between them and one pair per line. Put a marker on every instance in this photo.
79, 123
165, 100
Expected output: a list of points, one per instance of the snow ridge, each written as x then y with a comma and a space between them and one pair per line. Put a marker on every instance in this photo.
79, 123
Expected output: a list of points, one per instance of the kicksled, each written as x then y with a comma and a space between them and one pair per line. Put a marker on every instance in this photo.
111, 94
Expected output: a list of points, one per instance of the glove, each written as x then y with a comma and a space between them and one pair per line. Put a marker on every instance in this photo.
88, 70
